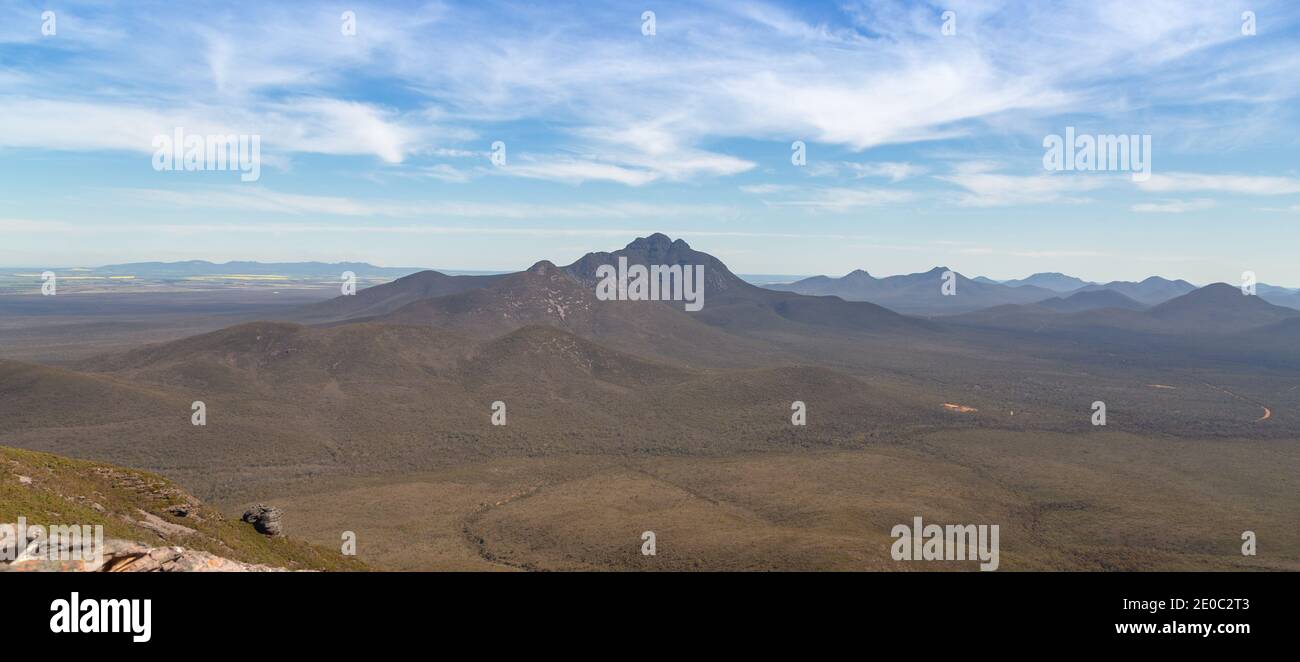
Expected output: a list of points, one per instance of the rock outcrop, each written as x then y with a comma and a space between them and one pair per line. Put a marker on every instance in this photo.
265, 519
128, 556
59, 513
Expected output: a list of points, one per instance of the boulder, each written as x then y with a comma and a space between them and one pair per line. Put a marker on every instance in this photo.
265, 519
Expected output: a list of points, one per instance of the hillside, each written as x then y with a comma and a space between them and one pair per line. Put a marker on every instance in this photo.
288, 404
1220, 308
385, 298
547, 295
143, 507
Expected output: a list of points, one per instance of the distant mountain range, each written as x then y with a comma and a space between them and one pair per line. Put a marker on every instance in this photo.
331, 270
564, 297
1057, 282
921, 293
918, 293
914, 294
1218, 308
399, 376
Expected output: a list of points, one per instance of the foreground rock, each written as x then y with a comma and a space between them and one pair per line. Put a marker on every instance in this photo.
265, 519
128, 556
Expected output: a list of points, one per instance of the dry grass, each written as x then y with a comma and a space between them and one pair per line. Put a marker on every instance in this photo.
1062, 502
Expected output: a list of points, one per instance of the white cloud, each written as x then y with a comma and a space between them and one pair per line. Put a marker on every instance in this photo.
321, 126
767, 189
626, 108
574, 171
446, 173
26, 225
1241, 184
260, 199
838, 199
896, 172
996, 190
1173, 206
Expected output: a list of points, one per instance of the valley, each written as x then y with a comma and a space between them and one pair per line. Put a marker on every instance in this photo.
373, 413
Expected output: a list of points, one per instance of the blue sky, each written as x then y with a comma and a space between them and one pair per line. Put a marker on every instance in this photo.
923, 148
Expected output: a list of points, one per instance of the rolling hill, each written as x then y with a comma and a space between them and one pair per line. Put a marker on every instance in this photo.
1150, 291
1090, 300
1219, 308
385, 298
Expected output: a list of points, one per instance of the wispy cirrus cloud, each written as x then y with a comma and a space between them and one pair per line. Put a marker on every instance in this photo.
302, 125
1173, 206
987, 189
637, 109
840, 199
261, 199
894, 171
1238, 184
577, 171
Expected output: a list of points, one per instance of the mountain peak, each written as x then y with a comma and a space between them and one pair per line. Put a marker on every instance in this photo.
1215, 292
1161, 279
542, 268
658, 248
656, 243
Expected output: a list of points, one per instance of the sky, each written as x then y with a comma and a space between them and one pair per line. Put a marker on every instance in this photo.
924, 134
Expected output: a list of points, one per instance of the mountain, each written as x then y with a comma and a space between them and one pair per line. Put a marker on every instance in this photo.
564, 297
547, 295
1220, 308
1211, 310
846, 287
659, 249
386, 298
330, 270
1057, 282
1151, 291
736, 305
917, 293
287, 403
1090, 300
1279, 296
543, 294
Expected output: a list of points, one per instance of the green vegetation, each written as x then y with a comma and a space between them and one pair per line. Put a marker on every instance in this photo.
49, 489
